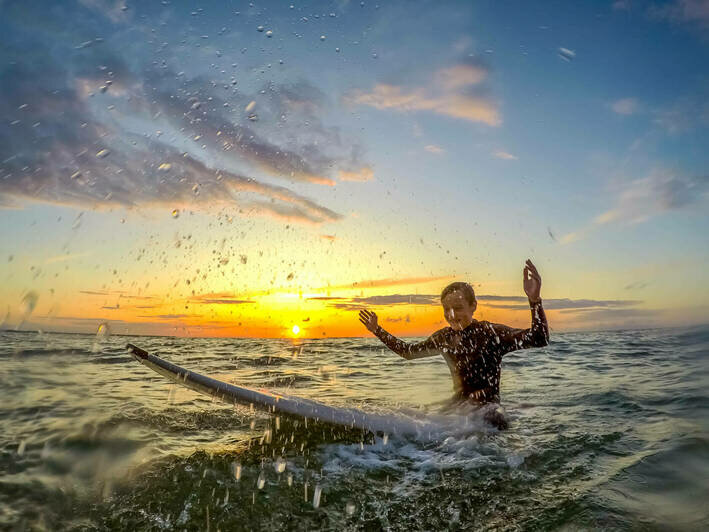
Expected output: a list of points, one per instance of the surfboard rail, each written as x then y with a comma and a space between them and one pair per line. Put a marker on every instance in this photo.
274, 402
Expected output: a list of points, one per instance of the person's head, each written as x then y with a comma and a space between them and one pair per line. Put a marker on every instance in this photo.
459, 304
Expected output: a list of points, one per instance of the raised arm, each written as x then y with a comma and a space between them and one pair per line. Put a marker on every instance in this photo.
538, 334
427, 348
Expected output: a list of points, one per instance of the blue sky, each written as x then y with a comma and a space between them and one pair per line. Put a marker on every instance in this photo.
355, 142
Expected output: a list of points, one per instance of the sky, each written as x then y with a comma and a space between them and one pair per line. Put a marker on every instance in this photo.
254, 169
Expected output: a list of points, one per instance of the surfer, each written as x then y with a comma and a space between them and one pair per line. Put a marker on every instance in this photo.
473, 349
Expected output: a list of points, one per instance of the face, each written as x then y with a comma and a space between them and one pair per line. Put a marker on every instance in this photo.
457, 310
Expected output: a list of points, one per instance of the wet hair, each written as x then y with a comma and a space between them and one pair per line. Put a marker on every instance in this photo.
464, 288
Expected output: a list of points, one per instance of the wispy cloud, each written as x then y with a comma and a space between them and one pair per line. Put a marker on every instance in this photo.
640, 200
379, 283
118, 293
432, 148
170, 316
504, 155
637, 285
66, 257
486, 300
659, 192
223, 298
625, 106
454, 91
692, 12
559, 304
398, 299
363, 174
687, 113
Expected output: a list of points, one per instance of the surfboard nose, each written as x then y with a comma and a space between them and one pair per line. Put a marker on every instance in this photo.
137, 351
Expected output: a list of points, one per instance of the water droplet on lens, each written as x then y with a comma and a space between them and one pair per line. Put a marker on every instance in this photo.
280, 465
350, 508
259, 28
261, 482
195, 189
164, 167
28, 303
316, 496
76, 175
103, 331
175, 213
322, 37
269, 34
566, 54
103, 153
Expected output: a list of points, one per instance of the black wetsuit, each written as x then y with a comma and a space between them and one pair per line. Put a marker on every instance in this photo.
474, 355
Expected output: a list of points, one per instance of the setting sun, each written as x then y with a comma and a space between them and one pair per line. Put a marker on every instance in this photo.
296, 329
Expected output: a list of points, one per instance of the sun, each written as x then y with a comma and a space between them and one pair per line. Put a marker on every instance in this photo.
295, 329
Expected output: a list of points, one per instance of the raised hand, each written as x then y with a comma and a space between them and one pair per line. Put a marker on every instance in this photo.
533, 284
369, 319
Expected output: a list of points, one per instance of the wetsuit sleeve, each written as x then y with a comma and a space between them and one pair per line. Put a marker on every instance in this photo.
537, 335
428, 348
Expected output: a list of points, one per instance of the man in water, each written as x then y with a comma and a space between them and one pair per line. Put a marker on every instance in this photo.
473, 349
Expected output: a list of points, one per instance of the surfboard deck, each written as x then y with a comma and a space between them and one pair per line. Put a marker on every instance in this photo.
274, 402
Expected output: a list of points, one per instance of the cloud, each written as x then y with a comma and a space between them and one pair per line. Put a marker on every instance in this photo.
504, 155
66, 257
637, 285
406, 319
453, 92
363, 174
559, 304
350, 307
397, 299
660, 192
222, 298
687, 113
463, 75
692, 12
487, 300
642, 199
432, 148
591, 313
119, 293
626, 106
372, 283
170, 316
92, 131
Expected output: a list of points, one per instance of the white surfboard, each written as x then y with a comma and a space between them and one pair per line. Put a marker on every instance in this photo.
274, 402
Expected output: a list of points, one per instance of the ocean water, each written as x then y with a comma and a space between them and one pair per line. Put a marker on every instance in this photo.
608, 430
